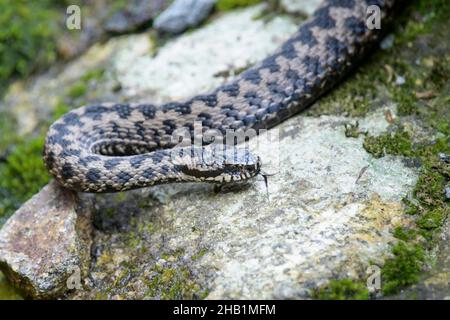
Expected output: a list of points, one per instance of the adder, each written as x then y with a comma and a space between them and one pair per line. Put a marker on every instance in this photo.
116, 147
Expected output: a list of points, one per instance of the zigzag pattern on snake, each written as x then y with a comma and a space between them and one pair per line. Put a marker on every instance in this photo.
116, 147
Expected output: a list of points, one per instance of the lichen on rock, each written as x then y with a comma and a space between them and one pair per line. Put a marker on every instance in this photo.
45, 242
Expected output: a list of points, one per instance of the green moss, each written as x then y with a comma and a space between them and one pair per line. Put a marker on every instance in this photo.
60, 109
225, 5
79, 89
174, 283
21, 175
95, 74
398, 143
404, 234
427, 203
429, 206
27, 37
431, 219
101, 296
81, 86
437, 11
343, 289
7, 292
354, 96
404, 269
8, 134
199, 254
134, 240
24, 171
352, 130
429, 188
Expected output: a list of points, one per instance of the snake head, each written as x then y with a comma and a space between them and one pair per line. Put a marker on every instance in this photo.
240, 165
219, 166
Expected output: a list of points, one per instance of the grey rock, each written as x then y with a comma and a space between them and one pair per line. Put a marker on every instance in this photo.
400, 80
46, 242
136, 14
387, 42
305, 6
444, 157
447, 192
331, 207
183, 14
330, 212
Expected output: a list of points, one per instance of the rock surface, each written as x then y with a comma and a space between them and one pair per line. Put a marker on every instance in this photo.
45, 242
136, 14
183, 14
330, 212
198, 61
306, 7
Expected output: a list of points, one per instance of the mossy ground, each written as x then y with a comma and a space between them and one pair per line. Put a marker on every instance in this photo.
7, 292
343, 289
225, 5
26, 38
420, 56
22, 171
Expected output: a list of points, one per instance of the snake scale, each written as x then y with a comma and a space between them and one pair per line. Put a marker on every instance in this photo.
116, 147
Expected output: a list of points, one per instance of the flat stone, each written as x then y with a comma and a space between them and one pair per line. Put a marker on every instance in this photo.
183, 14
137, 13
200, 60
330, 211
45, 242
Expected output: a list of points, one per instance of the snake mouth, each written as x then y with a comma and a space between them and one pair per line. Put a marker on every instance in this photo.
222, 173
225, 174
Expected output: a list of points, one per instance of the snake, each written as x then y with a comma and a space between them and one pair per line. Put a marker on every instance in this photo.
113, 147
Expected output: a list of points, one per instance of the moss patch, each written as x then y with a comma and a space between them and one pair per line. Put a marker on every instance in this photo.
225, 5
398, 143
419, 57
27, 37
77, 90
8, 134
421, 28
427, 204
353, 131
22, 171
82, 86
404, 268
7, 292
343, 289
22, 174
173, 283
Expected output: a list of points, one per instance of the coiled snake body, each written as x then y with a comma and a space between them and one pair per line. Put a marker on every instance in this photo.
117, 147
